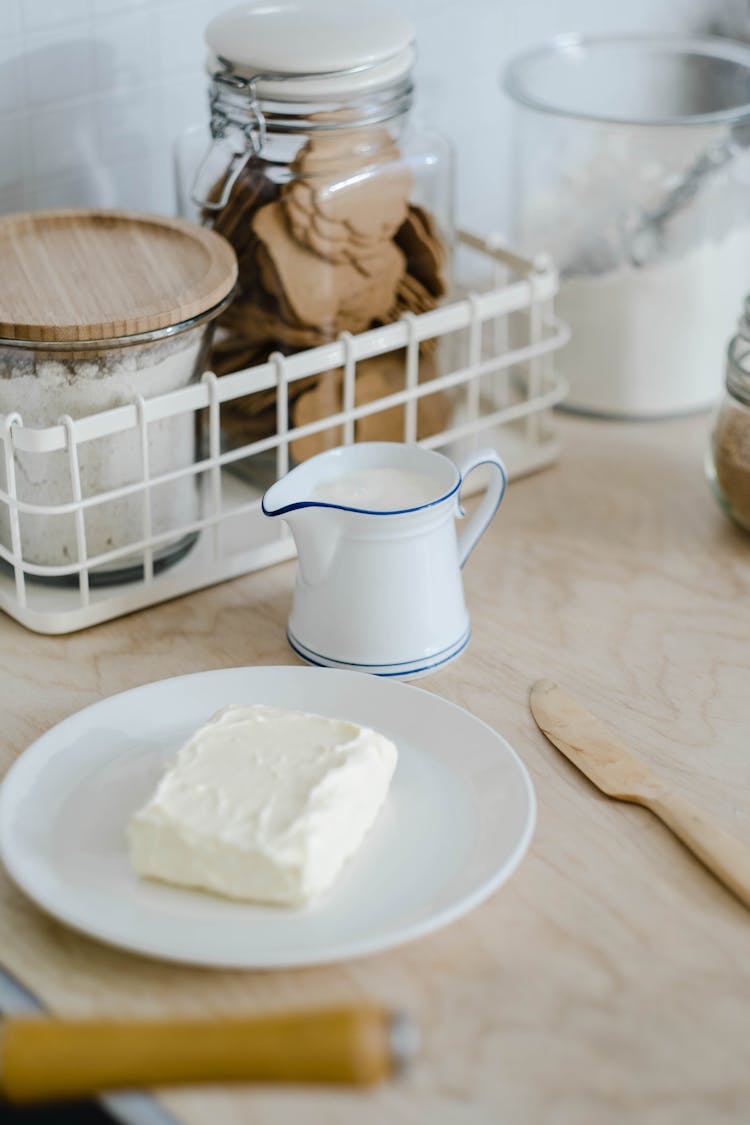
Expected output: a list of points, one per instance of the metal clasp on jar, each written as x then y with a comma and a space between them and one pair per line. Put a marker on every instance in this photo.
252, 130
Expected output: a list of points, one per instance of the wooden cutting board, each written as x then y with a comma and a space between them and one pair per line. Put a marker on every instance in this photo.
609, 980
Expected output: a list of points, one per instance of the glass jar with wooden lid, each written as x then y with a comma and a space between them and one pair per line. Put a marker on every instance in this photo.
97, 310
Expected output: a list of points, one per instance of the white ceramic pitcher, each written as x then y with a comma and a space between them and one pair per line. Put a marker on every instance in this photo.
380, 591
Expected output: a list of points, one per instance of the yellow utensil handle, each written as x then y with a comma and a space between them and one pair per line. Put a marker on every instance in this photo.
42, 1059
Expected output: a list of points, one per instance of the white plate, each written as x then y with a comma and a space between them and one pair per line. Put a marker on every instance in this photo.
458, 819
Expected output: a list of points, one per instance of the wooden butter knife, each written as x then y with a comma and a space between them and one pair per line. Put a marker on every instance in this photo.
590, 746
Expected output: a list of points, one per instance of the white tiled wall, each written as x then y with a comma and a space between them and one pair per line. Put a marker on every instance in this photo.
93, 92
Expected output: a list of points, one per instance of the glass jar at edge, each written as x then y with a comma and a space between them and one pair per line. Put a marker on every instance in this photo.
728, 456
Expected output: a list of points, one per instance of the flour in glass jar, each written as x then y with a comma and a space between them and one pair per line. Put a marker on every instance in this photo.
42, 388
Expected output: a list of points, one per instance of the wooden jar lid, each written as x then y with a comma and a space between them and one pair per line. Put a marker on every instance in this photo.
96, 275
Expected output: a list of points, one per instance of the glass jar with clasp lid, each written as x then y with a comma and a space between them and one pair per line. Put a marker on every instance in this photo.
339, 208
728, 458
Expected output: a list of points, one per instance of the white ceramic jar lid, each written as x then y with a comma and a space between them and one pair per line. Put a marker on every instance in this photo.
372, 42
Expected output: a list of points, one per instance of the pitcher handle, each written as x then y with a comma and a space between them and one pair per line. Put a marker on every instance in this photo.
494, 493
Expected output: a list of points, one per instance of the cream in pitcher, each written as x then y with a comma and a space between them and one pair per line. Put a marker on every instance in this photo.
379, 489
379, 585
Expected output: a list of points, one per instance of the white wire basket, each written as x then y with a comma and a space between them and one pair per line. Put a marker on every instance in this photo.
501, 339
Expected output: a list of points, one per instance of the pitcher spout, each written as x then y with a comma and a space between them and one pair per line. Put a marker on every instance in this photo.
314, 527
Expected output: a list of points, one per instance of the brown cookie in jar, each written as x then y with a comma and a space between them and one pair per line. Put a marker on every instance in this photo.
359, 185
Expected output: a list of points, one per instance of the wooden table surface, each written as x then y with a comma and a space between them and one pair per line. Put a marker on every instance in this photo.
609, 980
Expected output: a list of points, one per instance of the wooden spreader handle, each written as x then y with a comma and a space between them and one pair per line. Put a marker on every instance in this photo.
50, 1059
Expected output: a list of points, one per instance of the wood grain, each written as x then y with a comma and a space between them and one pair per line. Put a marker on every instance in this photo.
95, 275
609, 981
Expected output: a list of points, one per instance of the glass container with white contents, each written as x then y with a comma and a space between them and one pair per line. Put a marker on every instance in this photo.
97, 310
632, 168
338, 206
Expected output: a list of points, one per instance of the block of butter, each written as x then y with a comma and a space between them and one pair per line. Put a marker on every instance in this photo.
263, 804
